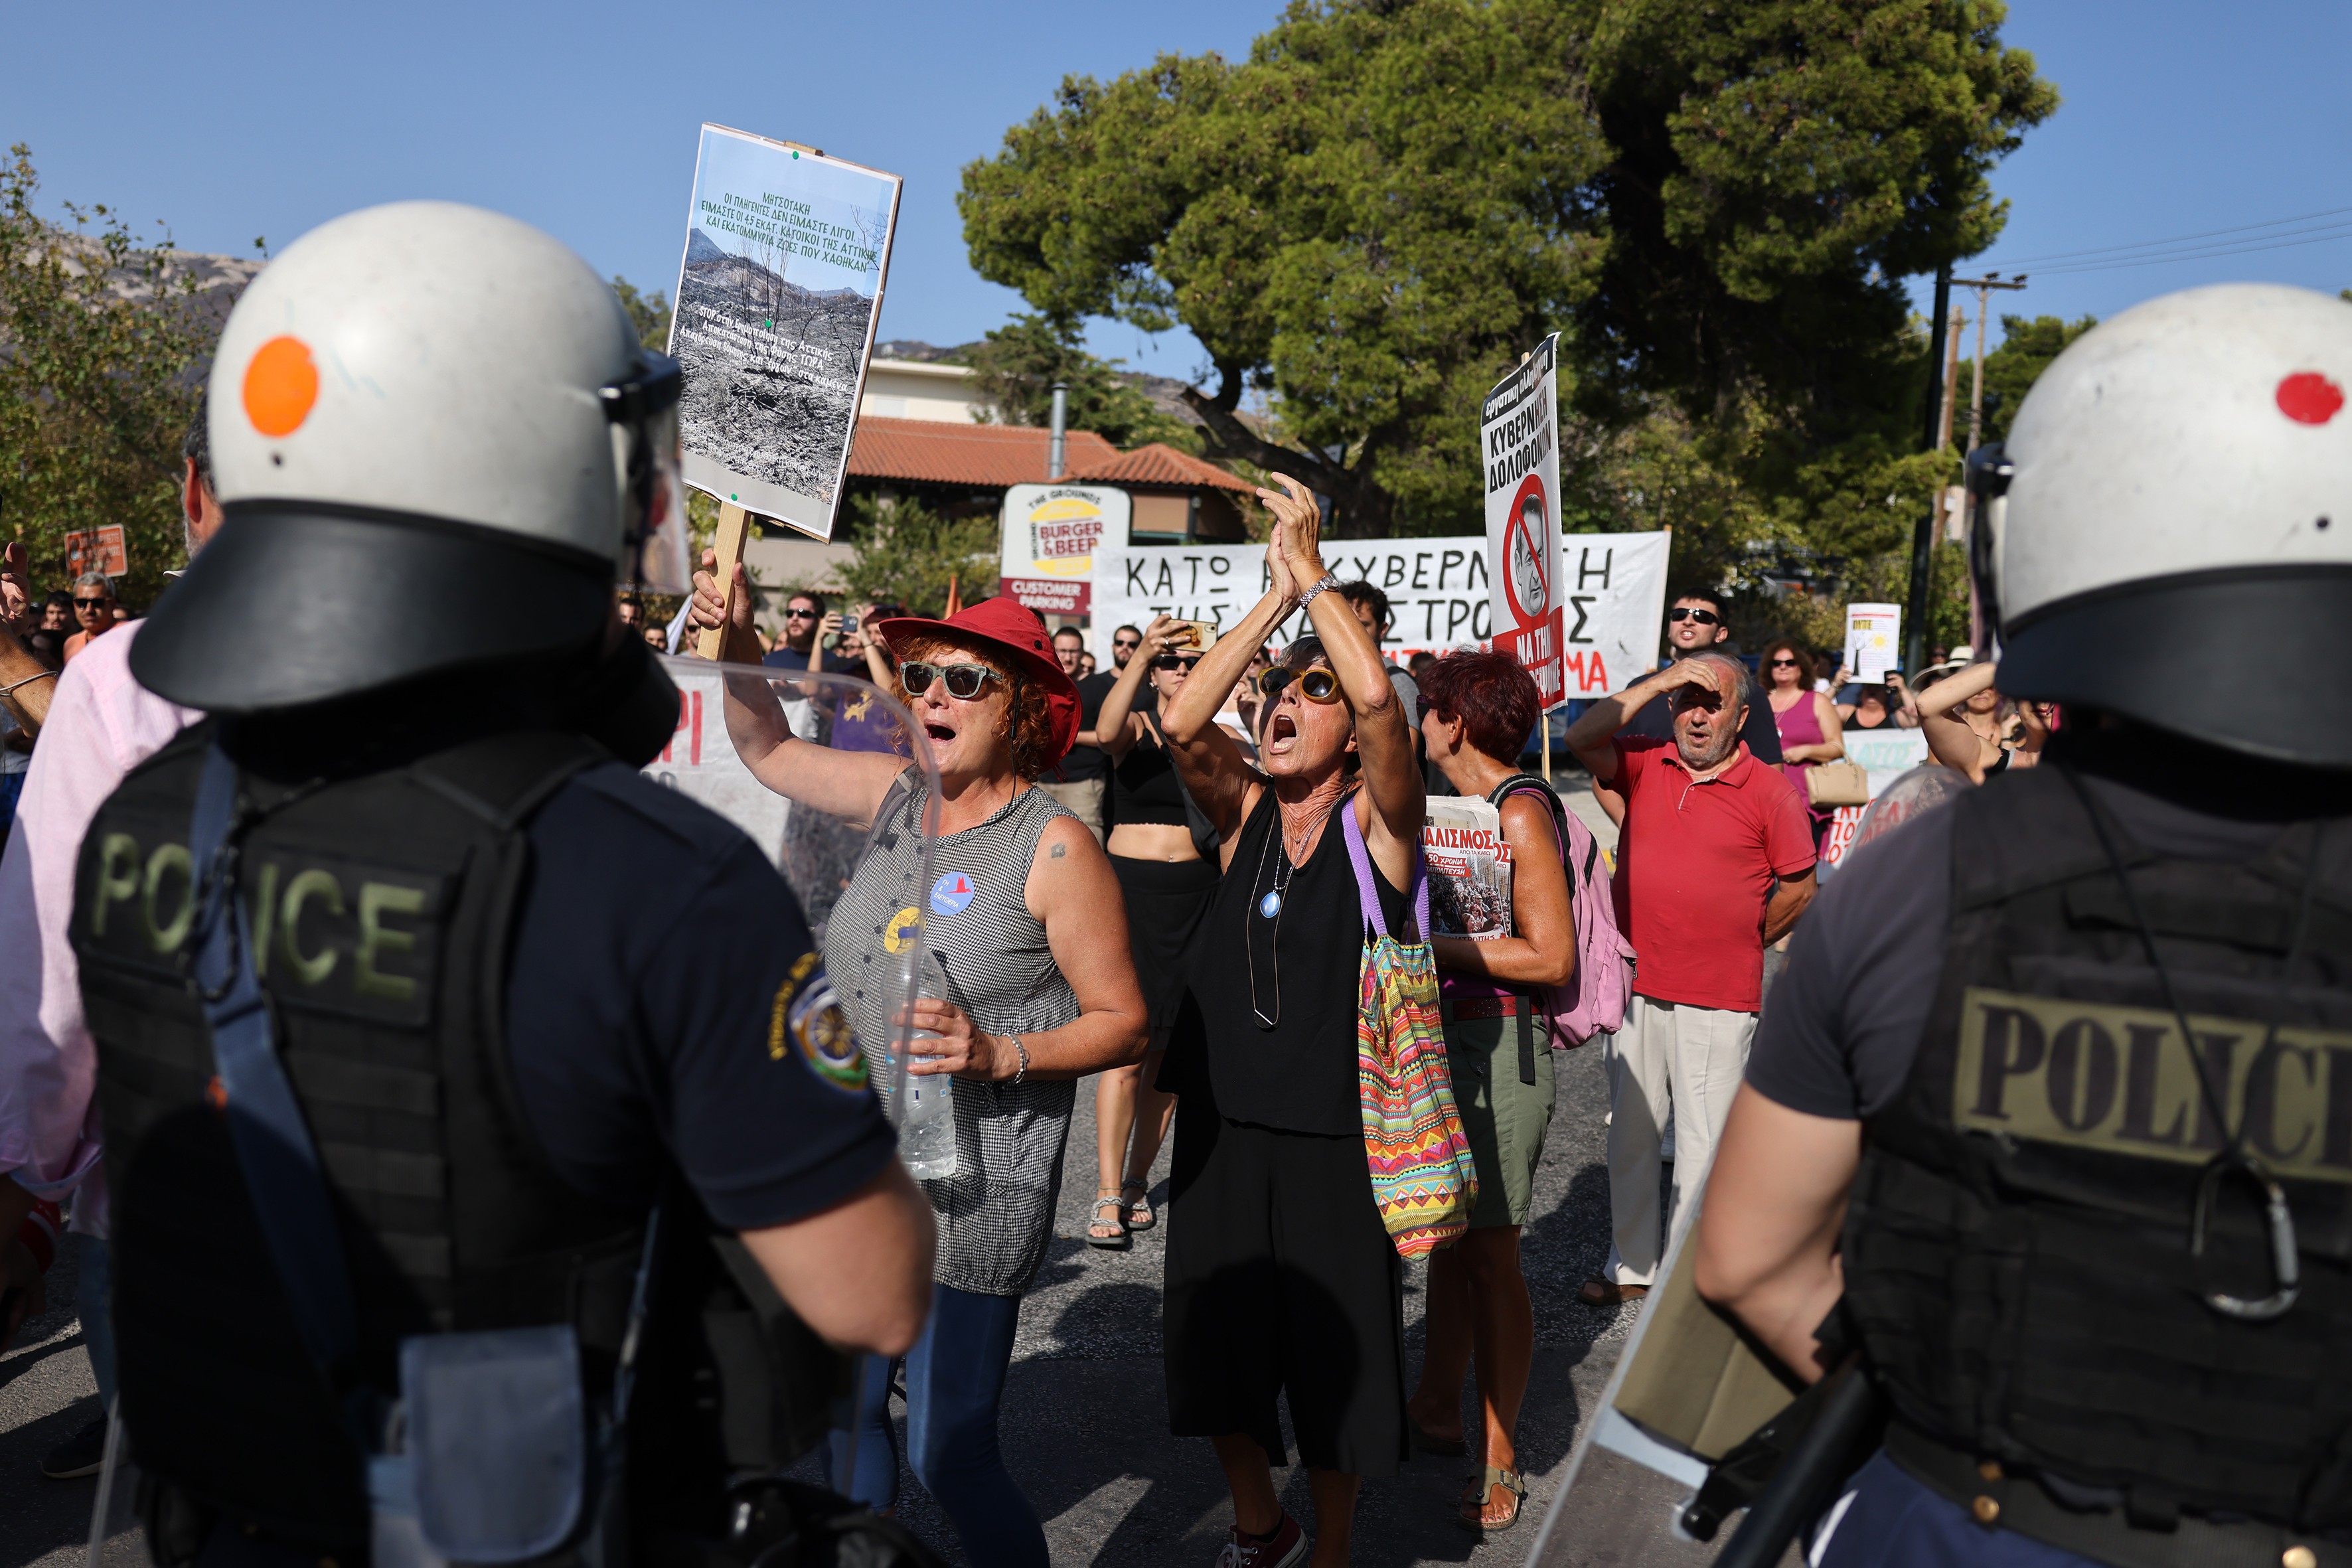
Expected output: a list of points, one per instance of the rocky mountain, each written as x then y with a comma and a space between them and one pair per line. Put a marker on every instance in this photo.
700, 246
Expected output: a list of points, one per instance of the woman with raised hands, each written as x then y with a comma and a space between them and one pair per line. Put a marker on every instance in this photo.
1027, 923
1281, 1278
1168, 887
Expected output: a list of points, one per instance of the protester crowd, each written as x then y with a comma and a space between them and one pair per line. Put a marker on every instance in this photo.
1193, 822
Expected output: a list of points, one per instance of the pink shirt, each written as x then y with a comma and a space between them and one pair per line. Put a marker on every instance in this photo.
101, 724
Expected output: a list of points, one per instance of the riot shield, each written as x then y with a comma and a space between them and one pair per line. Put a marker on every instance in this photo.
831, 778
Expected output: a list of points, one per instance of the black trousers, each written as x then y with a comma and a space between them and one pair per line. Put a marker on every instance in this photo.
1282, 1281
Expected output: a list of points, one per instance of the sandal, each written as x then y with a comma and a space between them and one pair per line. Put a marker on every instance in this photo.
1138, 1215
1475, 1512
1108, 1234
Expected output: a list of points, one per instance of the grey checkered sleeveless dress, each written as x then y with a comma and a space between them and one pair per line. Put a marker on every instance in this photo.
996, 1214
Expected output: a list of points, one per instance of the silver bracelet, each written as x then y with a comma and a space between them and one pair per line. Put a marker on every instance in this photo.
1330, 580
1022, 1071
39, 675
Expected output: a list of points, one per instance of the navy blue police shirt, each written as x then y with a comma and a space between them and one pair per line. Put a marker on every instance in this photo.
665, 1006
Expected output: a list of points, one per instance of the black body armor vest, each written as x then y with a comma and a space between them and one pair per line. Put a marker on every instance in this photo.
2017, 1253
381, 908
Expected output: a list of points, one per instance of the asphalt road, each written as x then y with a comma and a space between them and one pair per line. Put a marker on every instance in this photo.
1084, 1420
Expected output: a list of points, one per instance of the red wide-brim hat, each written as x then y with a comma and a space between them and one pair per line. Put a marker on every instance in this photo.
1022, 641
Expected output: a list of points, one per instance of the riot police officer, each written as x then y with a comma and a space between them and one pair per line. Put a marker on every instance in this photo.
463, 1090
2050, 1116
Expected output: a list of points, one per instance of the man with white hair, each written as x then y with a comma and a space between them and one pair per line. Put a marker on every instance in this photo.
1715, 860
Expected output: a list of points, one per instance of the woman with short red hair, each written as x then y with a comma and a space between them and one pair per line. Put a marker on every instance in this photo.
1030, 934
1477, 712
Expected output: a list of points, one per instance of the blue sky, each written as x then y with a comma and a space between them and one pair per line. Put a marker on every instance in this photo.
267, 119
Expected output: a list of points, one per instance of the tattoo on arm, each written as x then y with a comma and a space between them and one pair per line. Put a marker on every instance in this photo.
1060, 850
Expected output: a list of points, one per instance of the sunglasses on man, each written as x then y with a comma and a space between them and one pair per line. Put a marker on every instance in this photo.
1129, 643
1704, 617
800, 614
964, 681
82, 603
1315, 685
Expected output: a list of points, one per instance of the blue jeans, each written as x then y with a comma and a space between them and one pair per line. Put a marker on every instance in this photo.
1885, 1518
94, 1304
955, 1381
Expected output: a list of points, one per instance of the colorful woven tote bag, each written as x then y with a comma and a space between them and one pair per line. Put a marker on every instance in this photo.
1422, 1177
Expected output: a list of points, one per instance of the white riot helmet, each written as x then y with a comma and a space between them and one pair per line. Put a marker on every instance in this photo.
2167, 535
435, 437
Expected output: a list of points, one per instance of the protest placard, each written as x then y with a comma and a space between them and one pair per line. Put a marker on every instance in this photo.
1469, 864
701, 763
778, 294
1518, 434
1874, 641
1052, 533
97, 549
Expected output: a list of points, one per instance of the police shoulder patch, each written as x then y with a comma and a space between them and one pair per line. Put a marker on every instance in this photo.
825, 1041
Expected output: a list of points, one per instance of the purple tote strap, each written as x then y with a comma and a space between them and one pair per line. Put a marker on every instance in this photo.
1359, 856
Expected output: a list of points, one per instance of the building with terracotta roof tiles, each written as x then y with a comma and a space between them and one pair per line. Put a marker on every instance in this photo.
965, 470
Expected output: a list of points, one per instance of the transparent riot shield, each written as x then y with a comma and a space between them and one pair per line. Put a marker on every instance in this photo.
832, 779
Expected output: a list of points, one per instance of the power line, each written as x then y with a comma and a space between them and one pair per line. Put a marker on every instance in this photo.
2199, 255
2176, 239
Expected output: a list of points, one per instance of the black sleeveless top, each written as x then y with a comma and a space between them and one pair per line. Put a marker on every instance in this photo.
1300, 966
1143, 785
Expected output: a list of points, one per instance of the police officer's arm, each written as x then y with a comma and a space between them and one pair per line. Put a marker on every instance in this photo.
858, 1273
1072, 889
848, 785
1768, 1229
1589, 737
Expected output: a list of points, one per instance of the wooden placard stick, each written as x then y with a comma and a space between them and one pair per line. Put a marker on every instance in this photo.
734, 524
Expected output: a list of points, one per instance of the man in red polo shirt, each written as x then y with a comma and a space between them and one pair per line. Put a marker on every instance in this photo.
1715, 860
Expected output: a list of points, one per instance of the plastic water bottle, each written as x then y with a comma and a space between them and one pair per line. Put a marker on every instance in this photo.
927, 1138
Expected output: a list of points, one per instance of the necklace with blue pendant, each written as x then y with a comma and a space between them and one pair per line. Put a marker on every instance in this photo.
1265, 981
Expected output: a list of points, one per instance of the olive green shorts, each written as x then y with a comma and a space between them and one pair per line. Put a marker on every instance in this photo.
1504, 1118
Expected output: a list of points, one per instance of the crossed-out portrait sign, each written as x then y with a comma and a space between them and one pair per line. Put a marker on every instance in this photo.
1518, 435
1580, 610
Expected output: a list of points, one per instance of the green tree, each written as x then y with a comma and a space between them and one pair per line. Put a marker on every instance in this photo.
650, 313
1372, 217
2027, 347
101, 345
1016, 367
1390, 199
908, 553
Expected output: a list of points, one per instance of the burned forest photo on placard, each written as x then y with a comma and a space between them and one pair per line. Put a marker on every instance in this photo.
771, 366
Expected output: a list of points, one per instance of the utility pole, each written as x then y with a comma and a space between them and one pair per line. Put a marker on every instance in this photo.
1923, 537
1951, 377
1984, 287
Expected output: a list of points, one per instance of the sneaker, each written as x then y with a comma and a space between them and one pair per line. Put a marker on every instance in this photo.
83, 1454
1288, 1547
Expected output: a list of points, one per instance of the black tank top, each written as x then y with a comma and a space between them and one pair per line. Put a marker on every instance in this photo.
1300, 966
1144, 786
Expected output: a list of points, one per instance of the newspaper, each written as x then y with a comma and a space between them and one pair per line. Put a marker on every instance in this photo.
1469, 868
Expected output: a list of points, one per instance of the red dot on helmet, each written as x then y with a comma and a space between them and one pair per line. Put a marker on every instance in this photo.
2308, 398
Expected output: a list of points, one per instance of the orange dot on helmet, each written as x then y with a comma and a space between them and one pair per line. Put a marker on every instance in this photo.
281, 383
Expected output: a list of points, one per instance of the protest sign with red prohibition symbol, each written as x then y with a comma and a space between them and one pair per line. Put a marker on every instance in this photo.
1518, 436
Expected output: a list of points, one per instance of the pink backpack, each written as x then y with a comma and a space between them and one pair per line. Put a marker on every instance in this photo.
1594, 1000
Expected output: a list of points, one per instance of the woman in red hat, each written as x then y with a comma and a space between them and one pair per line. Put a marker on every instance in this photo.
1281, 1278
1025, 924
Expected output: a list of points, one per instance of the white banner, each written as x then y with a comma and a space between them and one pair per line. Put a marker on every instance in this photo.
1518, 436
1611, 601
1438, 588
